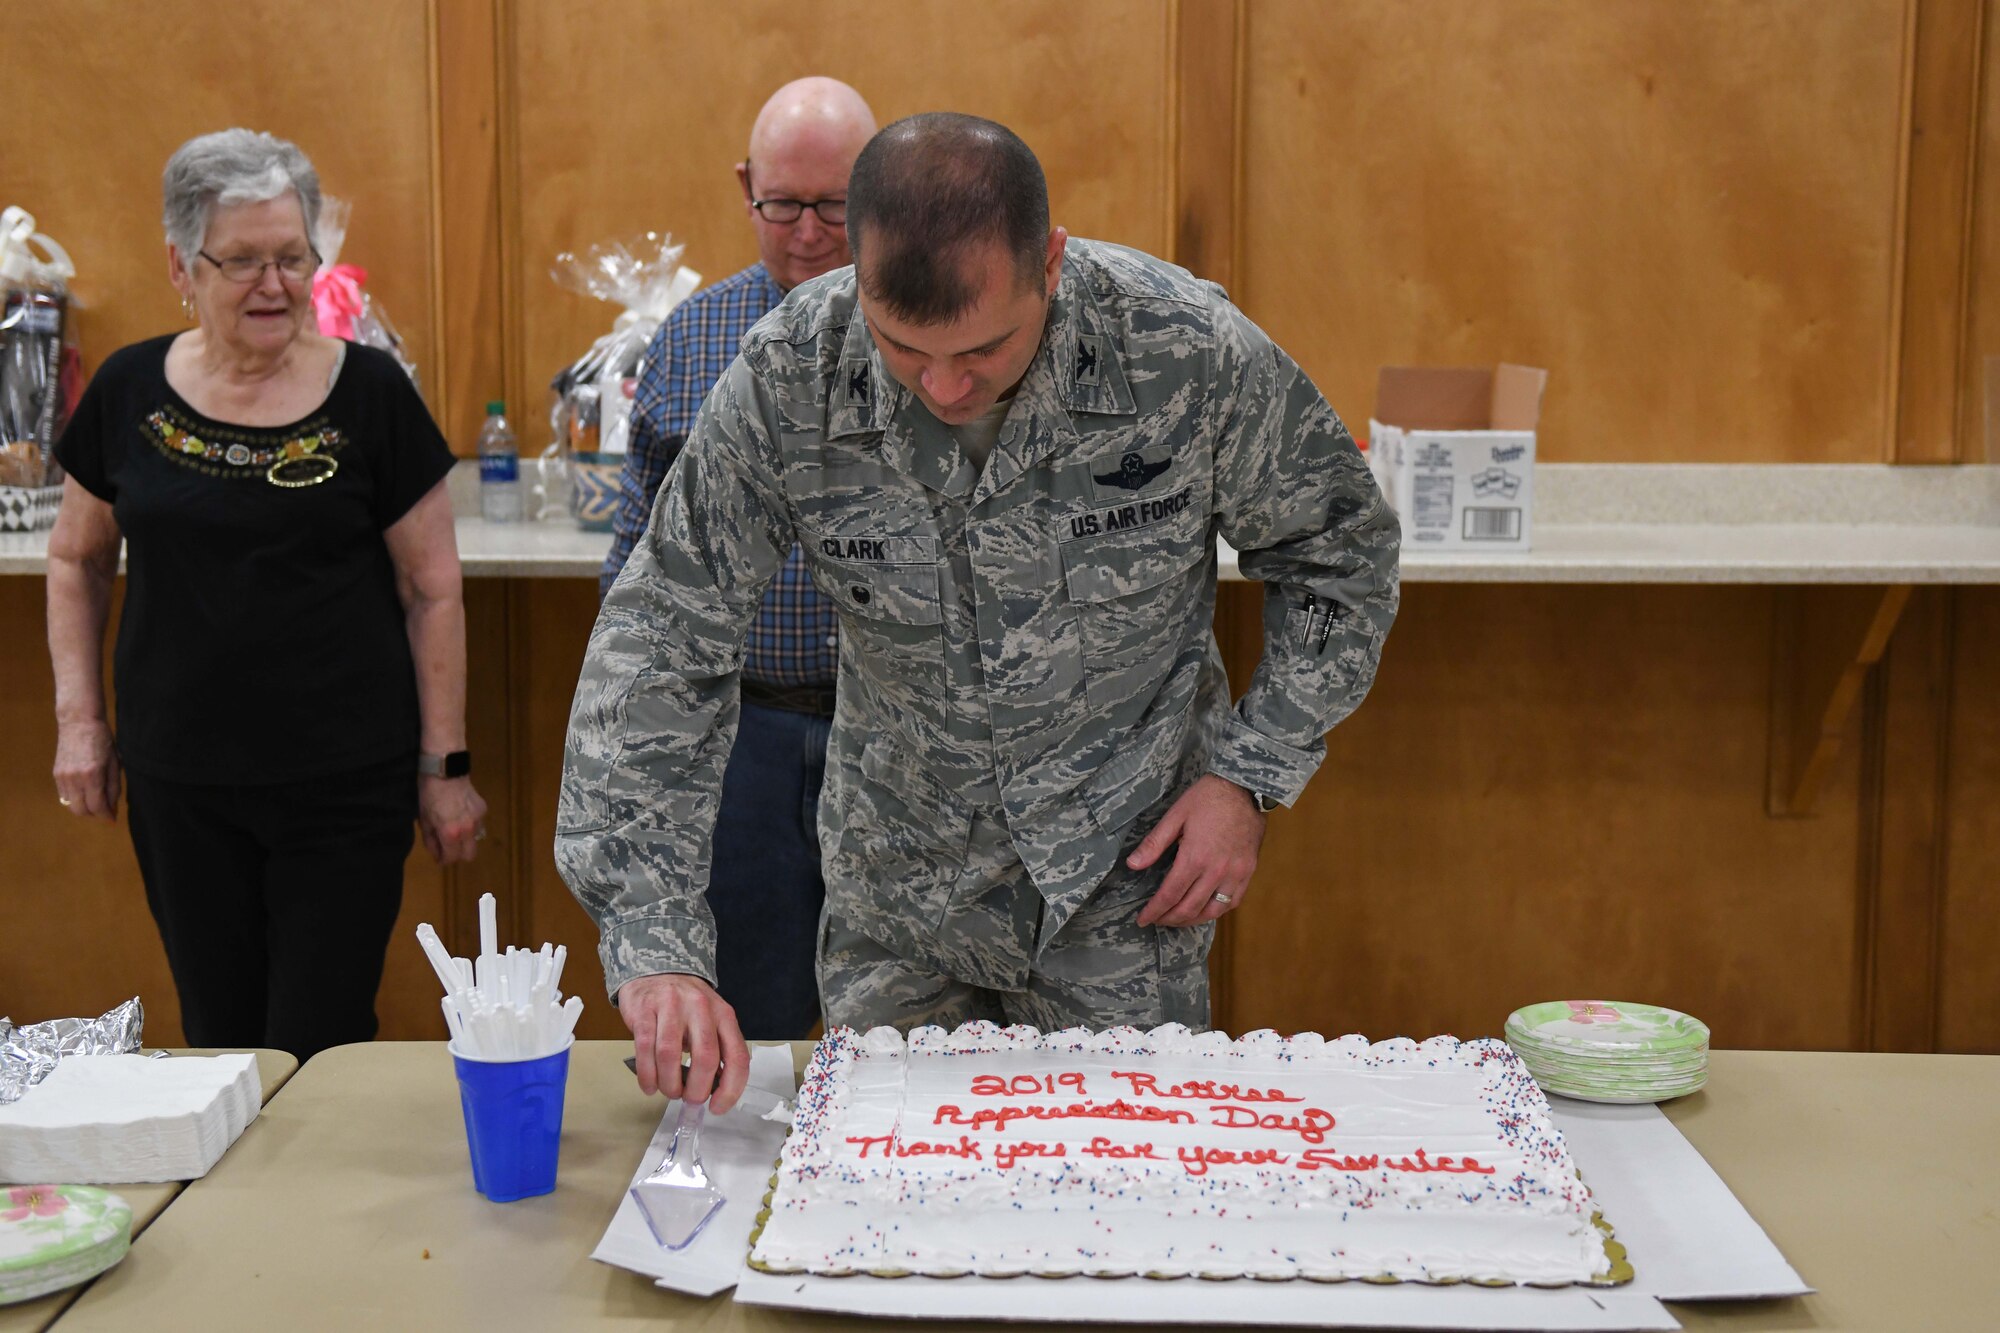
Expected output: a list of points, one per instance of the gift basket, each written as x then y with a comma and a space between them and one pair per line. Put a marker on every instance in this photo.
592, 416
40, 371
341, 302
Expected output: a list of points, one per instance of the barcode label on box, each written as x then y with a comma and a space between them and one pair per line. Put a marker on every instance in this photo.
1431, 505
1492, 525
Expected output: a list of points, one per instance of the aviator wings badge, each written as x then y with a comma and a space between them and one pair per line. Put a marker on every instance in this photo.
1133, 472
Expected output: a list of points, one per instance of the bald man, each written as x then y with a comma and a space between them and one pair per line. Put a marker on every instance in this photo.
765, 887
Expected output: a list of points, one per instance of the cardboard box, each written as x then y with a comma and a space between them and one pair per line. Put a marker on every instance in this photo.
1454, 450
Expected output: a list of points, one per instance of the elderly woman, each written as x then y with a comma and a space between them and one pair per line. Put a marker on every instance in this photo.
290, 667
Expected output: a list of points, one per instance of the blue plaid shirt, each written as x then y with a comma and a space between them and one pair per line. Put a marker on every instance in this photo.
795, 638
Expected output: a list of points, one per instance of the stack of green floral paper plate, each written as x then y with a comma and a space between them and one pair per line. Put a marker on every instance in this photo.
1610, 1051
55, 1236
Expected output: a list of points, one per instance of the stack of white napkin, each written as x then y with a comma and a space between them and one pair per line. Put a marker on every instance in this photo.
124, 1119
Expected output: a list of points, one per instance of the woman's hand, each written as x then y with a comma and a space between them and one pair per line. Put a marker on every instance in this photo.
83, 565
452, 817
423, 546
87, 769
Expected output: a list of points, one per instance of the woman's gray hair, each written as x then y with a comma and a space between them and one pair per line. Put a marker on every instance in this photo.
232, 167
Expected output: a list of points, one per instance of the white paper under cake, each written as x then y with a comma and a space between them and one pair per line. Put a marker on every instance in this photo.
126, 1119
1165, 1154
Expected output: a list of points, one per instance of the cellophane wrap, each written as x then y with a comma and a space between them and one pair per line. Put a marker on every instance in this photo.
40, 371
646, 278
341, 302
28, 1054
591, 416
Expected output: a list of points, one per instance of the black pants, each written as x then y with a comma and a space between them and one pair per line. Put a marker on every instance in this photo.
275, 902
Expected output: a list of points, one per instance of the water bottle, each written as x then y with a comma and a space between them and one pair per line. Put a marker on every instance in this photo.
499, 468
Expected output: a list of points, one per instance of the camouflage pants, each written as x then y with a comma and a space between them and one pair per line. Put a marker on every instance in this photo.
1099, 969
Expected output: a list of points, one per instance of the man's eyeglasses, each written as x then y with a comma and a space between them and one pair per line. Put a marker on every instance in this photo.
244, 269
833, 212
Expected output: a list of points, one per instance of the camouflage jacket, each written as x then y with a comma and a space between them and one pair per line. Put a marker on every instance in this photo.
1034, 638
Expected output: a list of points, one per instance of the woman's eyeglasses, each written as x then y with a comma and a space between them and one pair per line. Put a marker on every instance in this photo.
245, 269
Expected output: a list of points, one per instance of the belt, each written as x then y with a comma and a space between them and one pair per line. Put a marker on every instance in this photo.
813, 699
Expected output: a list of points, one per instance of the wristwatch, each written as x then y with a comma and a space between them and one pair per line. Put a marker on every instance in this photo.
454, 765
1265, 804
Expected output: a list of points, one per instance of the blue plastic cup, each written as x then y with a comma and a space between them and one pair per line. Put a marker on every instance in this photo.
513, 1122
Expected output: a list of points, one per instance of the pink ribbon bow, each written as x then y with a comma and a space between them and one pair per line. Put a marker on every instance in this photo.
337, 298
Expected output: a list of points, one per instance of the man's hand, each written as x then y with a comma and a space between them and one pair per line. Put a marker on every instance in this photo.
1219, 831
672, 1012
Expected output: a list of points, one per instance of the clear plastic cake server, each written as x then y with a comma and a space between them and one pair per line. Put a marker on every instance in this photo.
677, 1199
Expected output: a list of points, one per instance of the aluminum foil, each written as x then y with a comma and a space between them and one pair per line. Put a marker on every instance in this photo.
27, 1054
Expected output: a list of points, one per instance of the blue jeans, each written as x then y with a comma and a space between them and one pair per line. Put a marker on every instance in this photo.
764, 882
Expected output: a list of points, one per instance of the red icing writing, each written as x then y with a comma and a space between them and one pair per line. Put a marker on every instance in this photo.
1198, 1160
1310, 1126
1006, 1154
1201, 1089
998, 1118
1468, 1166
1103, 1147
1315, 1159
1027, 1085
893, 1147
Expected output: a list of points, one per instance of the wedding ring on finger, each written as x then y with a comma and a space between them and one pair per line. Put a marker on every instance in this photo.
62, 800
1224, 899
479, 834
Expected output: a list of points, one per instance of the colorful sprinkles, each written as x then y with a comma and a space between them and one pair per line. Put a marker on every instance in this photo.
821, 1168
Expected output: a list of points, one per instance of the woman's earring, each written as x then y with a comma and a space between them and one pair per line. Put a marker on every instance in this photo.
187, 309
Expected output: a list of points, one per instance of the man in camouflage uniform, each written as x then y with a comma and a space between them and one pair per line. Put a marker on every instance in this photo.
1008, 455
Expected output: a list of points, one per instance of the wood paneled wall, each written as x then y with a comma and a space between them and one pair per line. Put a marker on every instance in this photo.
1979, 412
1558, 790
1966, 943
75, 934
1734, 233
1553, 789
1691, 222
105, 91
1766, 235
649, 140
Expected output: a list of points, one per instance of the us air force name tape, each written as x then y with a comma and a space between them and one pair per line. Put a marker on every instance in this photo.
1126, 517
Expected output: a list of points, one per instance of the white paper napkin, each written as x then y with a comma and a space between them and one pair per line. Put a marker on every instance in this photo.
739, 1150
124, 1119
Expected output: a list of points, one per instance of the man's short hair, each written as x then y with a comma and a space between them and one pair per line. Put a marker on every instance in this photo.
925, 191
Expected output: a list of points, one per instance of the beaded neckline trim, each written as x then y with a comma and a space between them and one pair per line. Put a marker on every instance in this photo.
300, 455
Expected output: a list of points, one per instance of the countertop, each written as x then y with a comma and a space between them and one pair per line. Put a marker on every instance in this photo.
1594, 523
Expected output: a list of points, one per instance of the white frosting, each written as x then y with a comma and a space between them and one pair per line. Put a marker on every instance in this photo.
996, 1151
